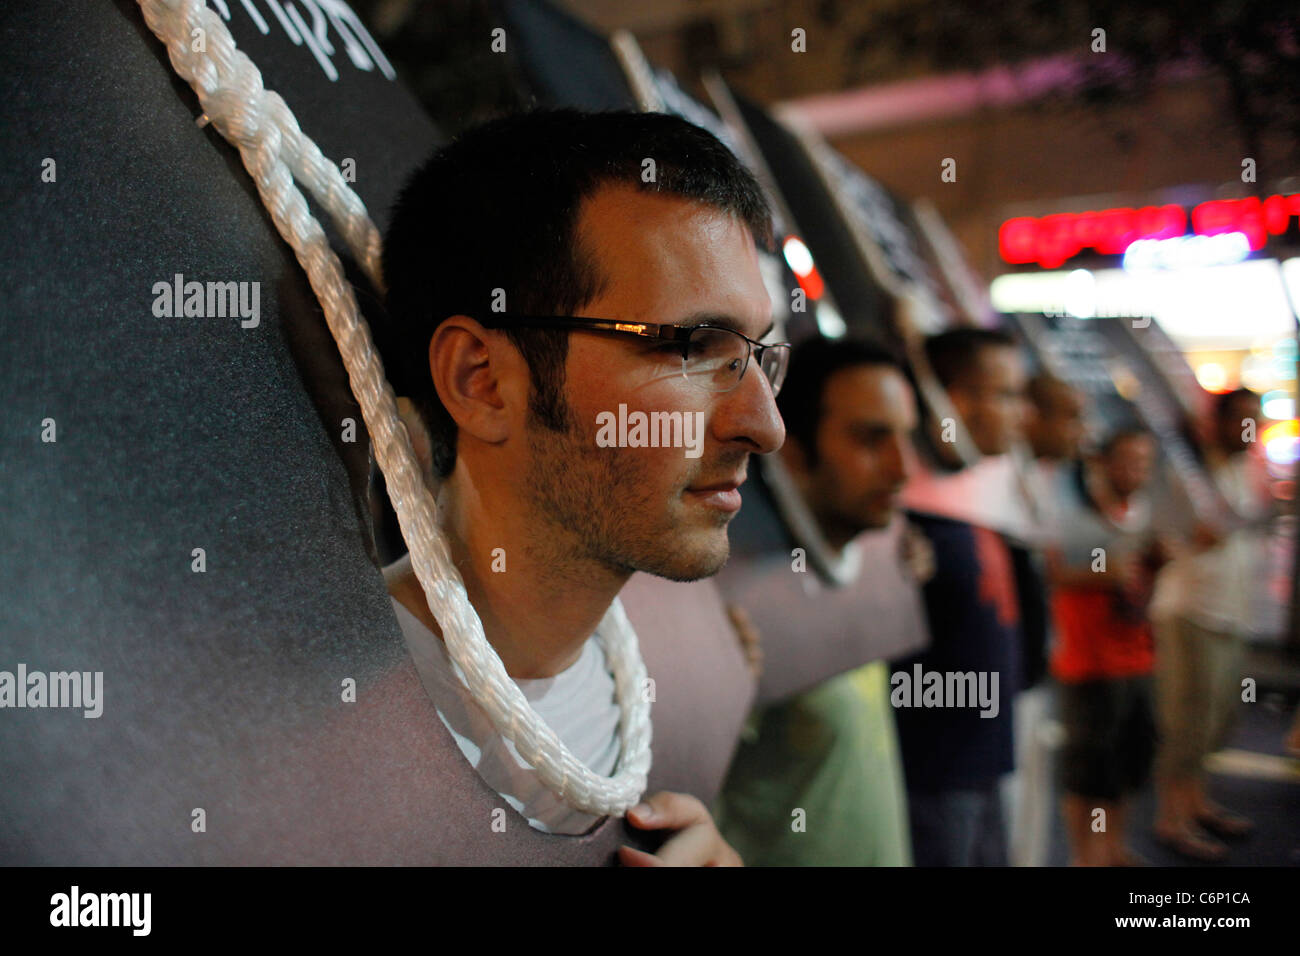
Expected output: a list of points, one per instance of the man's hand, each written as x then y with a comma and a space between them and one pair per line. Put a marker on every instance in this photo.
1130, 574
696, 843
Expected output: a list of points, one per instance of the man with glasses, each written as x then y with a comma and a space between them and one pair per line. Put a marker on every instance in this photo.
543, 270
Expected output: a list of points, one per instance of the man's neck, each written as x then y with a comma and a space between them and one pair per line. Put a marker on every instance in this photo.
837, 536
537, 608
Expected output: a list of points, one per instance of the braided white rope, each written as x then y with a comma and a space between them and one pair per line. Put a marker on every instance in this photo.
275, 152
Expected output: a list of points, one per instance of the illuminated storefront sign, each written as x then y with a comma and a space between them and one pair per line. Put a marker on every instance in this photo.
1241, 305
1186, 252
1051, 240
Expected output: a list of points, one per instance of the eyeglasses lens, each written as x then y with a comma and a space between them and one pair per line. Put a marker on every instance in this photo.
716, 359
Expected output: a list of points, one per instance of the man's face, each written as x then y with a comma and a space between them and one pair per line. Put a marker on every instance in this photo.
665, 260
1128, 464
990, 398
863, 450
1232, 436
1055, 428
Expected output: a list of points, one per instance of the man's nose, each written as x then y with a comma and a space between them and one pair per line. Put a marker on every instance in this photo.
896, 458
748, 415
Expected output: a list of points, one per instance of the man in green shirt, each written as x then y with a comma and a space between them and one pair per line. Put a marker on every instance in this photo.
816, 779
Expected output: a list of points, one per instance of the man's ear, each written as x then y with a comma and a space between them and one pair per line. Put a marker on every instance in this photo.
479, 376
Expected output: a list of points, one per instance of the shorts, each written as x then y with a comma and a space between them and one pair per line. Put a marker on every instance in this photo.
1110, 736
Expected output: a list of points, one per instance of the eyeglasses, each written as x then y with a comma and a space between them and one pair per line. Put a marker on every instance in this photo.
713, 358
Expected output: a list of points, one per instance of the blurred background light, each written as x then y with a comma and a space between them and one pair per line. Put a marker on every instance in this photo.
1080, 294
1242, 306
1278, 405
1212, 376
1186, 252
1282, 442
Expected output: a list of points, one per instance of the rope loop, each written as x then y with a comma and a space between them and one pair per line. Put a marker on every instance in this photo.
276, 152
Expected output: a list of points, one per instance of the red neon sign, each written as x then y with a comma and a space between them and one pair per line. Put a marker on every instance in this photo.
1051, 240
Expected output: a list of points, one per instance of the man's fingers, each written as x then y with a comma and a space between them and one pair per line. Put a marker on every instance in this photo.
632, 857
694, 846
700, 845
668, 811
696, 841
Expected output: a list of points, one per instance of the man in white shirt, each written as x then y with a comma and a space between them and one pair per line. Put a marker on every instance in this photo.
1204, 606
548, 274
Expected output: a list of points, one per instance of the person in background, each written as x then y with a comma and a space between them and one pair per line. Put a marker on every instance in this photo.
832, 752
1204, 607
955, 757
1102, 569
1054, 429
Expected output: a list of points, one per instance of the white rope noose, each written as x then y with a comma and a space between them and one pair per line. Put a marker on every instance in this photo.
275, 151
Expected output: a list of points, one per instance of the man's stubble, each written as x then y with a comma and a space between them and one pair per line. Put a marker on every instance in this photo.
598, 506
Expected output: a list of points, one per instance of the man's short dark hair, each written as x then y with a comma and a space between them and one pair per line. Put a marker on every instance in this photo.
1045, 390
1124, 433
953, 354
812, 363
1227, 401
495, 213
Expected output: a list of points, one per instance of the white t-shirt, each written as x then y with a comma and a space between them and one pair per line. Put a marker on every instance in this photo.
578, 704
1222, 588
1052, 485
